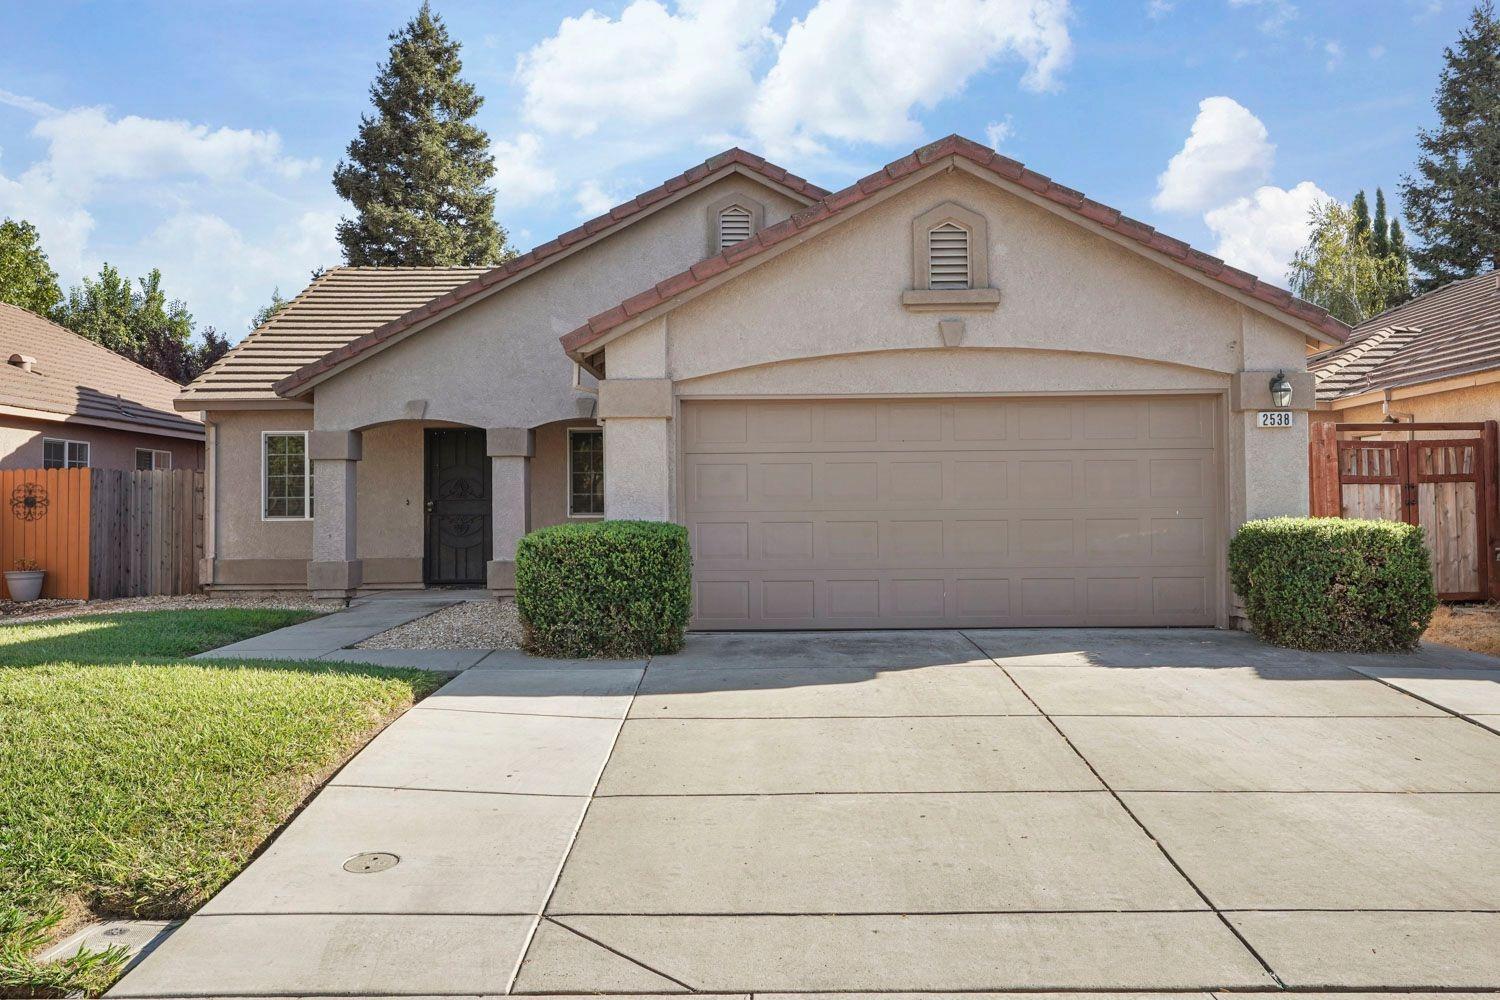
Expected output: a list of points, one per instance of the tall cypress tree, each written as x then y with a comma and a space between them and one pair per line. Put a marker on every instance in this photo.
1380, 236
1453, 201
1361, 209
417, 172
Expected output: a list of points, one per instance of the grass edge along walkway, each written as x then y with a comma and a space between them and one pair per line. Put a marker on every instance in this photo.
134, 782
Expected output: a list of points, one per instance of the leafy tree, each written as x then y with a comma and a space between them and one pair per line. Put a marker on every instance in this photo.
26, 277
1339, 270
181, 360
1453, 201
265, 312
139, 323
416, 173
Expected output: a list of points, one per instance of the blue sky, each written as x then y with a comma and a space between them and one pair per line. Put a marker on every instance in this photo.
200, 137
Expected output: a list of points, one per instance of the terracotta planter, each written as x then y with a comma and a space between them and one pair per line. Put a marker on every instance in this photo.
24, 585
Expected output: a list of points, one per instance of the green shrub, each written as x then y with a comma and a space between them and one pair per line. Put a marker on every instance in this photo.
1331, 583
618, 589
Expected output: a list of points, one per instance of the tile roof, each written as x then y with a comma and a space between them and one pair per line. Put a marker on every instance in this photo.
486, 278
1452, 331
77, 378
1007, 169
341, 305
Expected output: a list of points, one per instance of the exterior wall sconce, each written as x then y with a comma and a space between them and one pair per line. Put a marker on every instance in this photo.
1281, 391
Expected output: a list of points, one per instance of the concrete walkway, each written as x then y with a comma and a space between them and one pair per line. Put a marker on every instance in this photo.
327, 638
1113, 811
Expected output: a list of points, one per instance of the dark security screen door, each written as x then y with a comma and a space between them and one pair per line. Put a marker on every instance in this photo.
458, 506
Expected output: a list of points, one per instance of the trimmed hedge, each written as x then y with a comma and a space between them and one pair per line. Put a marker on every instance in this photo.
618, 589
1331, 583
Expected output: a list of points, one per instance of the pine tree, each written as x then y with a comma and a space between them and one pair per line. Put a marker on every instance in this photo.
416, 174
1380, 238
26, 276
1453, 201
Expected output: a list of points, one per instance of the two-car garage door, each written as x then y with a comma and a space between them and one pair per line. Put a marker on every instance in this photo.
945, 512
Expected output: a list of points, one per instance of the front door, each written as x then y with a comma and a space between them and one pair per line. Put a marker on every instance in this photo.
458, 507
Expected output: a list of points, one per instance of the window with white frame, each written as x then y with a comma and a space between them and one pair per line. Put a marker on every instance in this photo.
948, 256
152, 459
585, 472
60, 453
286, 476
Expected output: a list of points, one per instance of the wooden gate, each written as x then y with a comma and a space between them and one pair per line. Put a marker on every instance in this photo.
1441, 476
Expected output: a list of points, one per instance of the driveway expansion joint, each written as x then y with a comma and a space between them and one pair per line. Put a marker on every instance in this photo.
1136, 819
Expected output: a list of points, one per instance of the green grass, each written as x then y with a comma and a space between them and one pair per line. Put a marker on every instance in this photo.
134, 783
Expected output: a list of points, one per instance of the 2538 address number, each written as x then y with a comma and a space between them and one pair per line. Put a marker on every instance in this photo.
1273, 418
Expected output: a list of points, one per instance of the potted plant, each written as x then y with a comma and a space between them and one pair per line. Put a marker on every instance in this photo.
25, 581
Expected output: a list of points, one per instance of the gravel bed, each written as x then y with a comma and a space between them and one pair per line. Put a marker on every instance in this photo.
470, 625
12, 612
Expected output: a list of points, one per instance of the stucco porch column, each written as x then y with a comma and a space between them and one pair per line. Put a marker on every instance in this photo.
334, 572
639, 471
510, 450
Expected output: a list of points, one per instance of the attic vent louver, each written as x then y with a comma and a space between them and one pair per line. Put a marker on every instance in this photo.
25, 362
734, 226
948, 256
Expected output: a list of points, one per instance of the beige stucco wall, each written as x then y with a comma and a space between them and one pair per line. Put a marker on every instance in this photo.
1078, 313
21, 444
1469, 404
248, 549
498, 363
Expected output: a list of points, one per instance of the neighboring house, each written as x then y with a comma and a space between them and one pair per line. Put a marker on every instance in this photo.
953, 393
66, 402
1436, 358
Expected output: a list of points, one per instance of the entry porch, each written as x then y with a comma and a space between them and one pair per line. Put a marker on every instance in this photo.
413, 504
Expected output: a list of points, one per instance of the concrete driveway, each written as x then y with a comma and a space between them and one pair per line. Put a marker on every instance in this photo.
900, 811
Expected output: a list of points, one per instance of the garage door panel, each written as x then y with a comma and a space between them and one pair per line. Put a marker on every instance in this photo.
952, 512
921, 426
882, 540
978, 479
914, 598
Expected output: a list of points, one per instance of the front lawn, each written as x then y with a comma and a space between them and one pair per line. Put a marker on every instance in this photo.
135, 783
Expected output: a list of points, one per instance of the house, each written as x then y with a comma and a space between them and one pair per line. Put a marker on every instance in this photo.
66, 402
1435, 358
952, 393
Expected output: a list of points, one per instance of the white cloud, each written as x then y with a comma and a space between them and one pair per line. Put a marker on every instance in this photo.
650, 68
1261, 232
1335, 52
205, 258
1274, 13
520, 174
594, 199
854, 70
997, 132
85, 146
1158, 9
94, 165
1227, 152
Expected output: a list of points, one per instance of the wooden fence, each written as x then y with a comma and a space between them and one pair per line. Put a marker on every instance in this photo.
1441, 476
103, 533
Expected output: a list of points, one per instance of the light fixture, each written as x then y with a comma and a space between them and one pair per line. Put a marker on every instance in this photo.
1281, 391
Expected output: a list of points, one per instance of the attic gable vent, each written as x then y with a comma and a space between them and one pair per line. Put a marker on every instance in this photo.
735, 224
948, 256
25, 362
